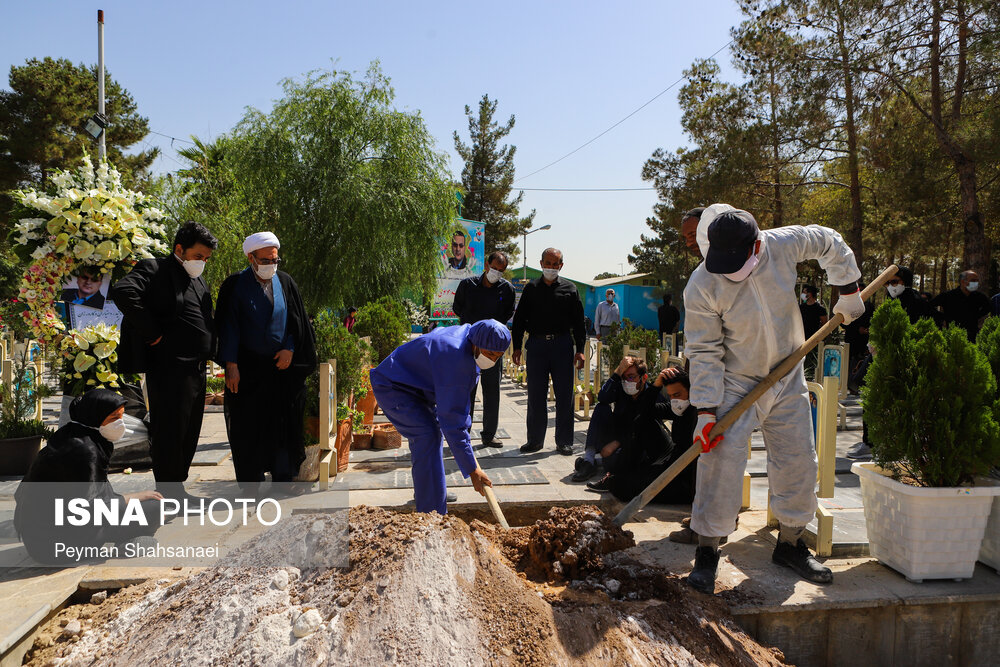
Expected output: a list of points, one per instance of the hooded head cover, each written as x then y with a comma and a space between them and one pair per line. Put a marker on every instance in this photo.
707, 216
489, 335
260, 240
731, 235
94, 407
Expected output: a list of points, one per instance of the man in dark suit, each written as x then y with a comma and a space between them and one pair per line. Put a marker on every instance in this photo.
168, 333
88, 288
487, 297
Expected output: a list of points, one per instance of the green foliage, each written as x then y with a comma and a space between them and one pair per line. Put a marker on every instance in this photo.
334, 341
42, 118
607, 274
386, 322
353, 187
930, 401
488, 177
613, 345
214, 385
17, 399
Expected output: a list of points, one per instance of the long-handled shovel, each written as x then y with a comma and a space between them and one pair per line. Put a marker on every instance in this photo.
730, 417
495, 507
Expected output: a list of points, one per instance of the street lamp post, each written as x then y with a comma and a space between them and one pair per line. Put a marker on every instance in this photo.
524, 246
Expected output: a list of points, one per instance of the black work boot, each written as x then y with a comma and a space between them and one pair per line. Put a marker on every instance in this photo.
797, 557
706, 564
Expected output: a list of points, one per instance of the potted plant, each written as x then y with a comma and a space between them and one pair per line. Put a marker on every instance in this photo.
345, 430
365, 398
334, 341
931, 407
988, 342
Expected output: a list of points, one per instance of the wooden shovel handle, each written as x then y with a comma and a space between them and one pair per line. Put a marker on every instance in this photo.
730, 417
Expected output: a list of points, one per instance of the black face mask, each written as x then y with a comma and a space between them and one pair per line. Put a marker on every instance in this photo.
93, 408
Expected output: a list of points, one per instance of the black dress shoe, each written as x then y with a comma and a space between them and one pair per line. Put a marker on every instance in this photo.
565, 450
602, 485
530, 448
706, 564
584, 471
797, 557
493, 442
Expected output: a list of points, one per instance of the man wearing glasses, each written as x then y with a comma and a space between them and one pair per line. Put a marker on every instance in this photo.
267, 347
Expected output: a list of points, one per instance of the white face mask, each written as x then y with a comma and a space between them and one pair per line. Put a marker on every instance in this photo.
113, 431
494, 276
973, 286
194, 267
484, 362
265, 271
744, 273
679, 405
895, 290
550, 274
631, 388
804, 297
610, 299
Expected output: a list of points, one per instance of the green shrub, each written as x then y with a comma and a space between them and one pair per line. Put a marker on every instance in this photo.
930, 401
214, 385
613, 345
334, 341
386, 322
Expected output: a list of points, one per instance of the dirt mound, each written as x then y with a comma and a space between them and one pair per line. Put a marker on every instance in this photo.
566, 545
421, 589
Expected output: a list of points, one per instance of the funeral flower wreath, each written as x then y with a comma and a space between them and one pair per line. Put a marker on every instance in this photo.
89, 220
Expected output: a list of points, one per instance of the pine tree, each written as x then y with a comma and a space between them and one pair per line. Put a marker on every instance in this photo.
488, 177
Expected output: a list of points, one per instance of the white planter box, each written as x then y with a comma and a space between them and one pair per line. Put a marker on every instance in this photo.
990, 551
924, 533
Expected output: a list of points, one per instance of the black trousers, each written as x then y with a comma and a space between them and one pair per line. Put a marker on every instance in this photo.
489, 380
547, 358
176, 394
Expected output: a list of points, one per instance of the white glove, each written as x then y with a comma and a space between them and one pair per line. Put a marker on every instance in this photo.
850, 306
706, 421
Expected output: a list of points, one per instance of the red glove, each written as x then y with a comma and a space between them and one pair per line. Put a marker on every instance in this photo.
706, 420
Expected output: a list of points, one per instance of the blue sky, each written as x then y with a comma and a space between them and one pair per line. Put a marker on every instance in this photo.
566, 70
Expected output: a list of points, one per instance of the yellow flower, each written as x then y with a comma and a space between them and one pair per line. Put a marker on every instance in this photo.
79, 341
54, 225
61, 243
107, 376
104, 350
87, 205
106, 249
83, 250
124, 248
90, 335
77, 376
82, 362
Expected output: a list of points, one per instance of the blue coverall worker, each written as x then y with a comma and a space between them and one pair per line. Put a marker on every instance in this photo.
424, 388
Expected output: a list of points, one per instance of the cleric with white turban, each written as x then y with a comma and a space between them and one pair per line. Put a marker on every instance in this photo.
267, 347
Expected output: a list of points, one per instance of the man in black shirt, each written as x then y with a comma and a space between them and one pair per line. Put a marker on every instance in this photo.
487, 297
812, 311
964, 306
551, 312
900, 286
668, 316
168, 334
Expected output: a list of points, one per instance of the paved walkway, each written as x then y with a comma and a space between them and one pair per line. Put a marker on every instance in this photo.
526, 485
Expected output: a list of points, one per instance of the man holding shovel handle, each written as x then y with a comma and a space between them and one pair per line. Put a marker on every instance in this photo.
745, 345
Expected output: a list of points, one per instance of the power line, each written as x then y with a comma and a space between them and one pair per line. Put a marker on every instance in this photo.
650, 101
172, 139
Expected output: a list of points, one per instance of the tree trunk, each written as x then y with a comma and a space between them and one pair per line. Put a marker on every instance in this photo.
855, 235
974, 250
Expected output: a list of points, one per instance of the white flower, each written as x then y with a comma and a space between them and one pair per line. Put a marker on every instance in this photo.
40, 252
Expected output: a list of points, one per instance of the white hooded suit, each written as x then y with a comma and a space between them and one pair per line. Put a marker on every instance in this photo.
736, 333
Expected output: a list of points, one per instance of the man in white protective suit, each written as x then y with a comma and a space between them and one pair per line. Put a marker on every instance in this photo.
742, 321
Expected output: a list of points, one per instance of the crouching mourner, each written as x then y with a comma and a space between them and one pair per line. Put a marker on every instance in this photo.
424, 388
742, 321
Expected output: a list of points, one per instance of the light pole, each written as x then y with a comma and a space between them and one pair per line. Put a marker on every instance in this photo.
524, 246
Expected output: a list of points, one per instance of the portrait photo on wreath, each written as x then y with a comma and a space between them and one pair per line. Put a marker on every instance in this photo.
86, 286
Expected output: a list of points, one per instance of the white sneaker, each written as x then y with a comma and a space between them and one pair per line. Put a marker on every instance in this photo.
859, 451
451, 497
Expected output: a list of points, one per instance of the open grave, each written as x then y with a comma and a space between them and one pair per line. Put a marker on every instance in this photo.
420, 589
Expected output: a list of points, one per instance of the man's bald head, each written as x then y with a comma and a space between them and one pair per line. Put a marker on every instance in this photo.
553, 255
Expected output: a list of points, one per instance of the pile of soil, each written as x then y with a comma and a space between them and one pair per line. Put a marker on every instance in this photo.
421, 589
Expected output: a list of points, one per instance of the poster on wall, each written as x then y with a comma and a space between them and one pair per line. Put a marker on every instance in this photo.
460, 256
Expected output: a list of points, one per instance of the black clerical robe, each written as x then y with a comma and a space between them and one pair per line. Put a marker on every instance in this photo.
264, 416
